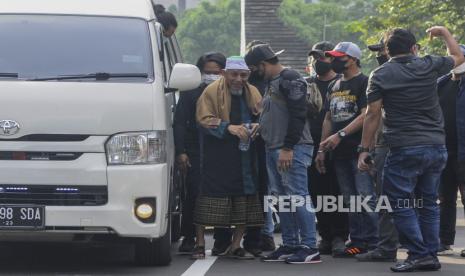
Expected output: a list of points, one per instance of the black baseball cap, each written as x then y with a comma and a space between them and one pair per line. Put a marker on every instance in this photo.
320, 48
260, 53
377, 47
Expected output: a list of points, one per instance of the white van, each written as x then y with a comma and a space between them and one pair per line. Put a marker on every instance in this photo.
87, 99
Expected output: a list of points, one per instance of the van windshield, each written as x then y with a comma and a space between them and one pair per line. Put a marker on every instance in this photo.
46, 46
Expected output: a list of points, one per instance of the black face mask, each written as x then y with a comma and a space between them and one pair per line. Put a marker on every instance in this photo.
322, 68
339, 66
255, 76
382, 59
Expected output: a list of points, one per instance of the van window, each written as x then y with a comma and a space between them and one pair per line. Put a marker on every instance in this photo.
35, 46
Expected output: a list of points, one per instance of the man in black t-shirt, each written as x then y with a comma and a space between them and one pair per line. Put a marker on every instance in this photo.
388, 237
342, 130
406, 88
448, 91
333, 227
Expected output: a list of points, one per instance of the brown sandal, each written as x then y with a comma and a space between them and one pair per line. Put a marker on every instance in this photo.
198, 253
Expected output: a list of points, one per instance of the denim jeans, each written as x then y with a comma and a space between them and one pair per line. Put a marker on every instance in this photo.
268, 227
412, 174
363, 226
298, 228
388, 237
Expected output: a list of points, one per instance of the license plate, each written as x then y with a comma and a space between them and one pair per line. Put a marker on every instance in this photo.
22, 217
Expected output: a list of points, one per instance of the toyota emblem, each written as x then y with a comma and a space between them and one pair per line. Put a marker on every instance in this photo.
8, 127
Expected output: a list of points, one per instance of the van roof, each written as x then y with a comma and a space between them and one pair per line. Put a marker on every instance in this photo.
123, 8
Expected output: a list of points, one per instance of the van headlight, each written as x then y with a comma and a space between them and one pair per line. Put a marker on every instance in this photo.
137, 148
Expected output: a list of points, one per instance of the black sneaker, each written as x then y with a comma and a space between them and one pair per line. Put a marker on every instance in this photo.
463, 253
325, 247
377, 255
256, 252
187, 246
280, 254
267, 243
428, 263
305, 256
338, 246
240, 254
352, 251
220, 249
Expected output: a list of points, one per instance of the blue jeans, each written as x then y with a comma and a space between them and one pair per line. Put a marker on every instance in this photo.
414, 173
298, 228
268, 227
363, 226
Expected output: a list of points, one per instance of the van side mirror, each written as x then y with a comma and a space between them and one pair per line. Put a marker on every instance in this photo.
184, 77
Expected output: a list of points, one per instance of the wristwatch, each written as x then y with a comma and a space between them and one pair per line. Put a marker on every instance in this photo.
342, 134
361, 149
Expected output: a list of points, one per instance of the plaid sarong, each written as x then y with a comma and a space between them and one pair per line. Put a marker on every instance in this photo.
228, 211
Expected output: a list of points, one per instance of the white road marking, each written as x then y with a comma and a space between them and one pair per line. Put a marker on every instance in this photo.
201, 267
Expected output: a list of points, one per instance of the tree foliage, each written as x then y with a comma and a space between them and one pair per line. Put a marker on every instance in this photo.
417, 16
309, 19
211, 26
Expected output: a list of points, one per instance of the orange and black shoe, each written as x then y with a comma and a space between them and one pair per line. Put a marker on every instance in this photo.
351, 251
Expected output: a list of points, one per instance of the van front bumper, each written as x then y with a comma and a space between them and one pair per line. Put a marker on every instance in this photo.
126, 184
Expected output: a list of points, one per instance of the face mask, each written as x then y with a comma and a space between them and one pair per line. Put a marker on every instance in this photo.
210, 78
321, 68
339, 66
255, 76
382, 59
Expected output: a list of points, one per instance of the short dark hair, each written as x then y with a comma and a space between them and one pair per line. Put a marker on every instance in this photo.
165, 18
215, 57
272, 61
399, 41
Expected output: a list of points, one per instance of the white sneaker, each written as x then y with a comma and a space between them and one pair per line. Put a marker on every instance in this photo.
445, 250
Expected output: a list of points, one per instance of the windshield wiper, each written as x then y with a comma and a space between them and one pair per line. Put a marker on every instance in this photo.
8, 75
96, 76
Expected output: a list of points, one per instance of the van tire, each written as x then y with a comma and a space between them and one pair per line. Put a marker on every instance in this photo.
155, 252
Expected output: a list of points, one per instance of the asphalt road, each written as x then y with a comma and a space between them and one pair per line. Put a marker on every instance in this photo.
116, 259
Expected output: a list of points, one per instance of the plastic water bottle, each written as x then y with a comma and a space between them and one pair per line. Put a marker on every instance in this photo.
245, 145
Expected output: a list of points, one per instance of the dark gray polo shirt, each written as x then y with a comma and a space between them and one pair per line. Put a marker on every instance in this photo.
408, 87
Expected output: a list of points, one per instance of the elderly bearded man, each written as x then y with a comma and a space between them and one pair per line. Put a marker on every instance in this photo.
226, 112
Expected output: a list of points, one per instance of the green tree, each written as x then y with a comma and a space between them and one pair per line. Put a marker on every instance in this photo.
417, 16
308, 19
210, 27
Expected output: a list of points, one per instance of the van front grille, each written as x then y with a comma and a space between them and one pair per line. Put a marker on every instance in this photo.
53, 195
39, 156
50, 138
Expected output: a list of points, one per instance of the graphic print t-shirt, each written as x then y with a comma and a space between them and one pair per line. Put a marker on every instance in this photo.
344, 101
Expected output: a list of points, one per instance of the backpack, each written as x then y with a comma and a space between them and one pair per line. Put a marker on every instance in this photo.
314, 99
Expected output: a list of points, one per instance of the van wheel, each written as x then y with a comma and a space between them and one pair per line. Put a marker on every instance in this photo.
156, 252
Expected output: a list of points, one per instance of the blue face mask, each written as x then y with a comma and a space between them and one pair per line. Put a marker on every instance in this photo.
210, 78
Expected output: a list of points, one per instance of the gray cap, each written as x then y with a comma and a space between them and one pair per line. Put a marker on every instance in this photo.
345, 49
